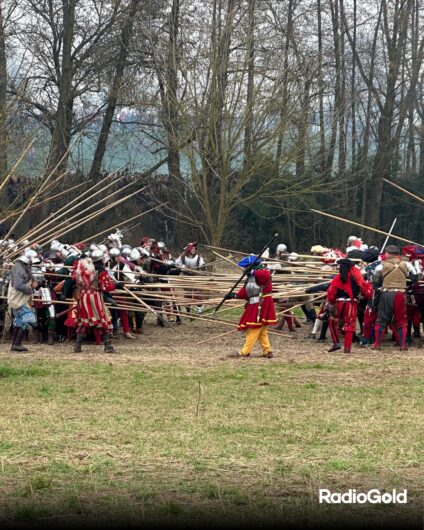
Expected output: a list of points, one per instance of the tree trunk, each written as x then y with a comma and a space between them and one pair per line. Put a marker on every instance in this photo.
61, 137
385, 147
285, 81
112, 100
3, 93
248, 131
303, 130
322, 148
171, 100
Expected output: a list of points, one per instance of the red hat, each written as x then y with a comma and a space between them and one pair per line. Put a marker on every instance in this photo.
190, 246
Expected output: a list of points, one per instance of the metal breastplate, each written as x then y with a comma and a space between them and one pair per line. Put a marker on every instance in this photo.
253, 290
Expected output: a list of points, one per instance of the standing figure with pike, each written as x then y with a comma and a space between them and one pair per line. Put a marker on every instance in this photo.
342, 300
259, 312
391, 279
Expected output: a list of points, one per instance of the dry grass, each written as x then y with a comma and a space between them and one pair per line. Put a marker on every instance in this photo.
168, 430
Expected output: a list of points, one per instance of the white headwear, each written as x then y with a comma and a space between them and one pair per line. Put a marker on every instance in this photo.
115, 239
349, 249
54, 245
135, 255
126, 250
114, 252
97, 254
140, 252
281, 247
29, 256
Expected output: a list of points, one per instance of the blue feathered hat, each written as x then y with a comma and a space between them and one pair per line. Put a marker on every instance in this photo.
248, 260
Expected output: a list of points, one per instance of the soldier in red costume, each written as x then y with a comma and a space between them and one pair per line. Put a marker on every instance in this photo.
91, 311
259, 311
342, 300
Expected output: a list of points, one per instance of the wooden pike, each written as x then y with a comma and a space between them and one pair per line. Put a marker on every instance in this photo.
14, 213
148, 308
7, 177
275, 260
48, 235
66, 209
42, 187
80, 222
226, 259
420, 199
322, 295
216, 337
366, 227
92, 238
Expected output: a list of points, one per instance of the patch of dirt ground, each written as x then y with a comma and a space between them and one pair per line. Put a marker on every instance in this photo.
207, 344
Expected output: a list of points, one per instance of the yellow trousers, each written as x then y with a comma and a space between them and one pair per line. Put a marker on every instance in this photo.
254, 335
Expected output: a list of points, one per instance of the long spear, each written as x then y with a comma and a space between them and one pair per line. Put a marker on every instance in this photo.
404, 190
387, 238
247, 270
92, 238
365, 226
143, 303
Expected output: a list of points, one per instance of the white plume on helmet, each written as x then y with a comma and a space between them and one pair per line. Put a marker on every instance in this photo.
115, 238
54, 244
265, 253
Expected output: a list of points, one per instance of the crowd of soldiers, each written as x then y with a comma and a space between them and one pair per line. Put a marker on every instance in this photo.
69, 292
369, 292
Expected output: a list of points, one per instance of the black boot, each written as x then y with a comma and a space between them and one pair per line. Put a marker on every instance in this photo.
17, 337
107, 341
323, 332
78, 343
311, 316
50, 337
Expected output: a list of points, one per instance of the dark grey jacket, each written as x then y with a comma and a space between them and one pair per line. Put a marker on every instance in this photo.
20, 276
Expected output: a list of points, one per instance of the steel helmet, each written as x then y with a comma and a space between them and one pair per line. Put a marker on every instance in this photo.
135, 254
97, 255
114, 252
29, 256
126, 250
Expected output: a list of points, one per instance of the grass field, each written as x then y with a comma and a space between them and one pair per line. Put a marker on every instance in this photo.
170, 430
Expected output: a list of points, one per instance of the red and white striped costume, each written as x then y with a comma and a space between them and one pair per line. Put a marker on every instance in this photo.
91, 309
